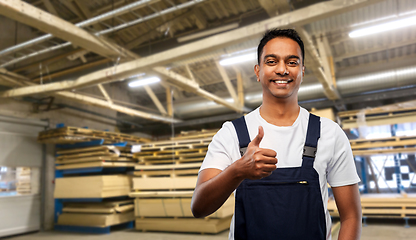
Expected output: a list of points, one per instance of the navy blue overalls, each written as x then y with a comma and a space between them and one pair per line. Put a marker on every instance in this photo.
287, 205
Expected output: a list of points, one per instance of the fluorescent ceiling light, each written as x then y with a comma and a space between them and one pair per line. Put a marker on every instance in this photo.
238, 59
142, 82
405, 22
208, 32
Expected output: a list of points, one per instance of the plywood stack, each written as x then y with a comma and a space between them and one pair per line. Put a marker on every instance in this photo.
383, 206
91, 171
97, 156
101, 214
390, 145
100, 186
66, 135
23, 177
94, 188
400, 112
163, 185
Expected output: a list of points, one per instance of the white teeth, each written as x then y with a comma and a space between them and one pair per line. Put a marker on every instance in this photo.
281, 81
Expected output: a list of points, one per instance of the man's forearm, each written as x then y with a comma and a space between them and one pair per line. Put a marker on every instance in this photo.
211, 194
350, 229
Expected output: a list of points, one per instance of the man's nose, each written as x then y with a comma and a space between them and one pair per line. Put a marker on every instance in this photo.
281, 69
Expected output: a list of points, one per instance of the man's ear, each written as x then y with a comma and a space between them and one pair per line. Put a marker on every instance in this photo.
257, 71
303, 71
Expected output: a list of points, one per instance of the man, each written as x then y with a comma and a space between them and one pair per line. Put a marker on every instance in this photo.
281, 179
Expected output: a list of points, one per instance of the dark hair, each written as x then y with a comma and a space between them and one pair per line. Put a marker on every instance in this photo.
280, 33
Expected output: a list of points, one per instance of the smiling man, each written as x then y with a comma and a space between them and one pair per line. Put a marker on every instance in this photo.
279, 158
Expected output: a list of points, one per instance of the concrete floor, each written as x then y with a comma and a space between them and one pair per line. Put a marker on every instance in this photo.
375, 230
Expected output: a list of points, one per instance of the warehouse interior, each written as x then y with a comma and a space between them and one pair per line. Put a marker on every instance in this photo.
72, 71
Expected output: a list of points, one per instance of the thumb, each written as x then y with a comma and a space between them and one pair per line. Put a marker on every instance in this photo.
256, 141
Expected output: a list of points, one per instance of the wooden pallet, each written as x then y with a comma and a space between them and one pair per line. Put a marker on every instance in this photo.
105, 164
74, 134
193, 225
170, 170
383, 206
94, 159
164, 183
362, 144
176, 207
385, 151
185, 158
391, 145
106, 153
388, 114
383, 142
176, 144
204, 133
100, 186
105, 207
94, 220
161, 194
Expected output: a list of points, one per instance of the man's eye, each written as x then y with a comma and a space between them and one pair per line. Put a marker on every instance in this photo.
293, 63
270, 62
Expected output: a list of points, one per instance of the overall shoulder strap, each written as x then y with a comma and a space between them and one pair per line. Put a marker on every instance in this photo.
242, 133
312, 135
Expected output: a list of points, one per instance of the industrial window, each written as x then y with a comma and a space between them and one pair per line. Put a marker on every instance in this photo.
389, 170
15, 181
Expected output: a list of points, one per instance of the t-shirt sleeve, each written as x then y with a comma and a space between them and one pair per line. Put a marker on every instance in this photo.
222, 149
341, 169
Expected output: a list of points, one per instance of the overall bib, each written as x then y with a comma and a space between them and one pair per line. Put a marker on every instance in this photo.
287, 205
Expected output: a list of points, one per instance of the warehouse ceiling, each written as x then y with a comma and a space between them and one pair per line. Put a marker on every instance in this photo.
81, 51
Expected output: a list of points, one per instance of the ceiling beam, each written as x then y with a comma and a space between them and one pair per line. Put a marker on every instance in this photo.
191, 86
10, 82
315, 63
240, 88
200, 21
227, 82
169, 101
105, 94
50, 7
86, 13
374, 50
299, 17
155, 100
104, 104
326, 58
70, 6
19, 80
275, 7
147, 35
46, 22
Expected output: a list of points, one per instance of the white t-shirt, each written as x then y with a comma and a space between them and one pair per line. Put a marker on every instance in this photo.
334, 161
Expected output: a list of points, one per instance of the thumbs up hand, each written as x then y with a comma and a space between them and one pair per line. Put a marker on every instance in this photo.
257, 162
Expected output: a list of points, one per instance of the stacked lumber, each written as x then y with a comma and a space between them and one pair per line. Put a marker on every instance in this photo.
165, 178
102, 214
385, 115
173, 152
67, 135
383, 206
23, 177
390, 145
100, 186
96, 156
204, 133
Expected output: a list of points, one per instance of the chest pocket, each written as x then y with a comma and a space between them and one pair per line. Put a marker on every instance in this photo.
287, 204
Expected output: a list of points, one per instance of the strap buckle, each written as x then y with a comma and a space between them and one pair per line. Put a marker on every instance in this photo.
309, 151
243, 151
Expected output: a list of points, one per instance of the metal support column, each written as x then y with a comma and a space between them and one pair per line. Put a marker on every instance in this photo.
363, 173
397, 163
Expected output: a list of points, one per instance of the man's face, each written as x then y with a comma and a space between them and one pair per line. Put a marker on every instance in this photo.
281, 70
